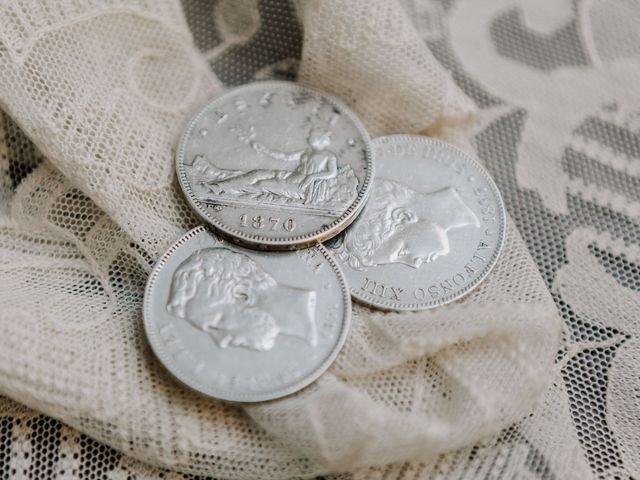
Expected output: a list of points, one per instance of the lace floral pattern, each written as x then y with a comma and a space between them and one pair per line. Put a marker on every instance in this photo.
482, 389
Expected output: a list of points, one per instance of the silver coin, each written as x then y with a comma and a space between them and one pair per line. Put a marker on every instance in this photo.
432, 229
244, 325
276, 166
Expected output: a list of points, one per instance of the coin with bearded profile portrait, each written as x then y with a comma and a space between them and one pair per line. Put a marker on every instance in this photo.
432, 229
244, 325
275, 166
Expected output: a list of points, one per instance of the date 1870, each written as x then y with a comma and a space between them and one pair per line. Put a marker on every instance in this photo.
259, 222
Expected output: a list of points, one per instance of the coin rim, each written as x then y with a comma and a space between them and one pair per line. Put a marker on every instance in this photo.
296, 242
186, 379
387, 305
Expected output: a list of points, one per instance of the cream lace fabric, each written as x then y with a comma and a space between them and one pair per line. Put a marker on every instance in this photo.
95, 94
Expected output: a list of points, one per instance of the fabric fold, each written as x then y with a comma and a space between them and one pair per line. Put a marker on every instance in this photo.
104, 92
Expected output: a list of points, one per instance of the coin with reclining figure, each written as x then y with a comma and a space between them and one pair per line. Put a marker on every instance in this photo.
275, 166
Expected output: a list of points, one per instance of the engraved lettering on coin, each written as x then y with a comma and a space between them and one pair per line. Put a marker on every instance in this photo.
404, 226
245, 325
233, 299
431, 231
276, 152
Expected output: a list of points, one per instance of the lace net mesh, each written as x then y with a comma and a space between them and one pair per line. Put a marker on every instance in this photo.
479, 389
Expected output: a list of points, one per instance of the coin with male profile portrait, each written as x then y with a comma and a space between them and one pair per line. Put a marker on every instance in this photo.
244, 325
431, 231
275, 166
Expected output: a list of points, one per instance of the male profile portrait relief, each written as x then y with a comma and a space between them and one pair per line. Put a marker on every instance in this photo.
232, 298
400, 225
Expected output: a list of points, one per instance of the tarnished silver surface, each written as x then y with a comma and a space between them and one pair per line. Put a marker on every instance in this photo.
432, 229
243, 325
275, 166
